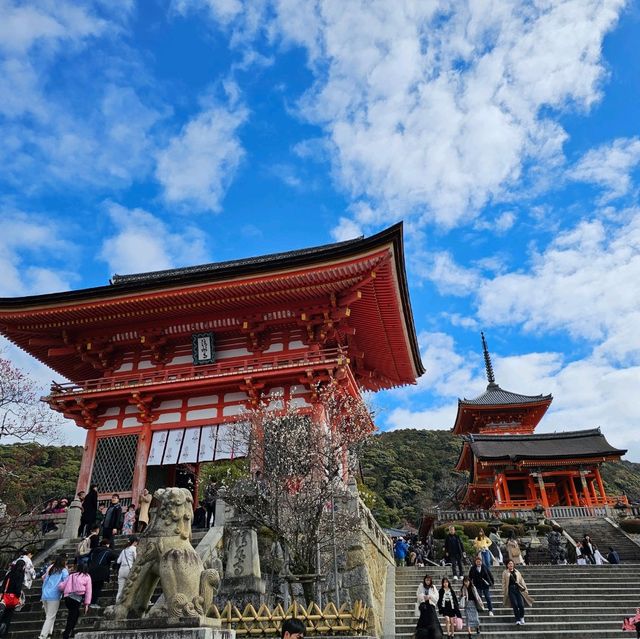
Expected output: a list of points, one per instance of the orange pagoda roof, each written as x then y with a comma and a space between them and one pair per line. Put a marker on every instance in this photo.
498, 410
361, 282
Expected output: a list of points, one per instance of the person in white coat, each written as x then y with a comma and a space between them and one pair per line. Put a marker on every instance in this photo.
426, 593
126, 560
29, 570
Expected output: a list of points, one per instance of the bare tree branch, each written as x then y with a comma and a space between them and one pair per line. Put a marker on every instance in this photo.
300, 462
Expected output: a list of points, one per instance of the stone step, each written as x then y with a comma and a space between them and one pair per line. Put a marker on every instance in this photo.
506, 616
550, 590
27, 623
535, 628
572, 602
525, 632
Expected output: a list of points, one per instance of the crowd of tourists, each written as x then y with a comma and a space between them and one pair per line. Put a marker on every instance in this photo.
446, 607
78, 582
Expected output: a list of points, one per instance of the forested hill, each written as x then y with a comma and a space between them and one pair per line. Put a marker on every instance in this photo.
31, 474
404, 470
407, 470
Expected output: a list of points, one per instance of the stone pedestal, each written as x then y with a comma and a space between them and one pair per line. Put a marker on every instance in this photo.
159, 633
242, 573
149, 628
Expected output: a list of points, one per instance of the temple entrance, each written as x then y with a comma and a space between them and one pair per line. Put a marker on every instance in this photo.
180, 475
187, 477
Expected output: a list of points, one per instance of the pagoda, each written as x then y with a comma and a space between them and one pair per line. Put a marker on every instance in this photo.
512, 468
160, 366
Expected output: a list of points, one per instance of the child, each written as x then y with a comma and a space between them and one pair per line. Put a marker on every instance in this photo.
129, 524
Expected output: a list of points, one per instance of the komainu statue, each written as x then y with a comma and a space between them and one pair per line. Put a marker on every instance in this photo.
165, 555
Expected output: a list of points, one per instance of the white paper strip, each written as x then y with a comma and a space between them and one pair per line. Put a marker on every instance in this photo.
190, 445
224, 447
172, 449
207, 443
157, 447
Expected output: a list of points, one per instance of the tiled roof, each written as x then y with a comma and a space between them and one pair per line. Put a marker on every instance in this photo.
213, 267
581, 443
494, 395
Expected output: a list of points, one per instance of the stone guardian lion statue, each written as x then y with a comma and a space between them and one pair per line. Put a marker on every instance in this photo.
166, 556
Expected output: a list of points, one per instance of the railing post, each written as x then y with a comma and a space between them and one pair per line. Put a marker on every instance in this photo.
72, 524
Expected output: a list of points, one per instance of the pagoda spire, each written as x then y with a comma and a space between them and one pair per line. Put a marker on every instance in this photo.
487, 363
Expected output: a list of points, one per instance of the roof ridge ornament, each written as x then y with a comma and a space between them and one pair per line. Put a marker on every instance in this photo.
487, 364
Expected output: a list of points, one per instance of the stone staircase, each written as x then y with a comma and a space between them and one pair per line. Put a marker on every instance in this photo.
27, 623
572, 602
603, 534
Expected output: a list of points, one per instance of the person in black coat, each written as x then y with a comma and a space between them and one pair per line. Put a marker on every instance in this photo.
10, 593
89, 511
428, 626
100, 560
453, 552
588, 550
482, 579
199, 516
112, 521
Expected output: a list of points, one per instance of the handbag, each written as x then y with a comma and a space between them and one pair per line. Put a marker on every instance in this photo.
10, 600
457, 622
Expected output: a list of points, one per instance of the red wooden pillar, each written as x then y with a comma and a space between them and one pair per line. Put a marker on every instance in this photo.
140, 468
543, 491
574, 492
567, 494
594, 495
603, 494
196, 485
88, 457
585, 488
505, 488
532, 488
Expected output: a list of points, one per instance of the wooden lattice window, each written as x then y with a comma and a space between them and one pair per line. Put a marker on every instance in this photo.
114, 463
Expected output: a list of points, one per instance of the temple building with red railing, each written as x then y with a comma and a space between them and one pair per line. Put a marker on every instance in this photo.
161, 365
512, 468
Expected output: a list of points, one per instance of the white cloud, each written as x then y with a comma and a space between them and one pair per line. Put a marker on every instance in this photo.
44, 23
30, 246
224, 11
436, 108
440, 418
346, 230
93, 131
587, 282
463, 321
198, 165
143, 242
610, 166
288, 174
447, 276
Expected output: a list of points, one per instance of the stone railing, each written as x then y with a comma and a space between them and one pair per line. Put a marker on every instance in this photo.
352, 502
556, 512
444, 516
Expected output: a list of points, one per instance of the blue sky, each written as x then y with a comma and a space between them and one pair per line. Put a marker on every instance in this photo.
138, 136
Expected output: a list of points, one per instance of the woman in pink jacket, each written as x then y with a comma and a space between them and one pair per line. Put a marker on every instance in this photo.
76, 589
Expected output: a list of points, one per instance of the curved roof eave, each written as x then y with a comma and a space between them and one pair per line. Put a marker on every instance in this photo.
216, 272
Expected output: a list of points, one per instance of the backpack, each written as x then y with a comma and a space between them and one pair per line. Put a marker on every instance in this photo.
84, 547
